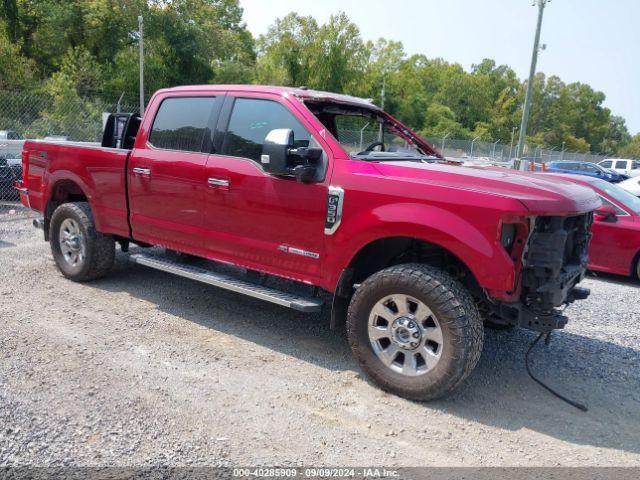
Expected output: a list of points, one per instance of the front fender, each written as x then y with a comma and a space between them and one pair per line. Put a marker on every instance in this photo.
475, 244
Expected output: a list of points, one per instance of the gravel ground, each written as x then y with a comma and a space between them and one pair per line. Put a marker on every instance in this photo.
143, 368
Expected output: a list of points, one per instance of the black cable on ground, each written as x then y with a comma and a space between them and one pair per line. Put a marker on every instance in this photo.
579, 406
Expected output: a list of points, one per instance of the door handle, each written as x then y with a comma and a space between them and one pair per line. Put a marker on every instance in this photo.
218, 182
141, 171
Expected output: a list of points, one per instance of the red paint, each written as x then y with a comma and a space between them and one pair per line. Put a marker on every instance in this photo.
460, 209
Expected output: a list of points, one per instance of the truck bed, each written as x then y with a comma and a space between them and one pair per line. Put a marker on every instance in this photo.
51, 168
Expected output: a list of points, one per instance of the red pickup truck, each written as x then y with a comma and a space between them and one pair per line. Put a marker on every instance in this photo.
416, 254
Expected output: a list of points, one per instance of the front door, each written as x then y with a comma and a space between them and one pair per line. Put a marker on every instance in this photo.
255, 219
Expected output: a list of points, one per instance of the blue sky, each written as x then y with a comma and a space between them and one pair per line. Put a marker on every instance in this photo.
591, 41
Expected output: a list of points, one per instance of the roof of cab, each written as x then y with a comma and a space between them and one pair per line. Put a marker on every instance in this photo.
302, 93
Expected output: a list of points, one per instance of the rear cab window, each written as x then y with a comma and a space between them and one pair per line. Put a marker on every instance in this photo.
183, 124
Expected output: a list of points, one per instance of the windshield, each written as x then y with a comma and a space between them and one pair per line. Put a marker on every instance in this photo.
366, 134
359, 134
620, 194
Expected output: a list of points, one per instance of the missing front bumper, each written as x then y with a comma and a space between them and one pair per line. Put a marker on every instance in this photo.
520, 315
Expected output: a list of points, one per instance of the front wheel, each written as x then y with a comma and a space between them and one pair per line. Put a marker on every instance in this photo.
415, 331
80, 252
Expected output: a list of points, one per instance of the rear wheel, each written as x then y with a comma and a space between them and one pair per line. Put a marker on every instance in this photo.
415, 331
80, 252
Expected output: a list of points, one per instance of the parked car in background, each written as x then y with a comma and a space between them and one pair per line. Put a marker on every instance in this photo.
584, 168
625, 166
9, 173
615, 245
9, 135
632, 185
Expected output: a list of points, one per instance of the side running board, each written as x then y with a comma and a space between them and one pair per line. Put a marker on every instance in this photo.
290, 300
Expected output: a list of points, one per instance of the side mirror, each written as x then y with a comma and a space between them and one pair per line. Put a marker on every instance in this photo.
279, 157
275, 151
606, 213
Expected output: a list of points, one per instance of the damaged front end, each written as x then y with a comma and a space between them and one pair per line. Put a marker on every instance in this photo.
554, 261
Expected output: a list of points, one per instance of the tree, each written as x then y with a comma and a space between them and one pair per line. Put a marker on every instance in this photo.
297, 51
631, 149
617, 135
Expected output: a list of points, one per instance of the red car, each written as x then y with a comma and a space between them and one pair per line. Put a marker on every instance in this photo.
615, 246
280, 181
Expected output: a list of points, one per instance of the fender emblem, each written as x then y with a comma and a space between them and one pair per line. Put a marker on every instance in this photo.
298, 251
335, 200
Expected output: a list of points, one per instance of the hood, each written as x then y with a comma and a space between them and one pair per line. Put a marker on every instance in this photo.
542, 196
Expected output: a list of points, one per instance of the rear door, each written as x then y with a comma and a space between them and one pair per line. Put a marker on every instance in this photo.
166, 172
274, 224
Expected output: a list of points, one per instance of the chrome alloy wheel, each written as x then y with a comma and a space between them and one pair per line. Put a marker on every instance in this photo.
72, 243
405, 335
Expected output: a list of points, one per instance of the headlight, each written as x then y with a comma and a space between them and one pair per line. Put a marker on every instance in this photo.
508, 236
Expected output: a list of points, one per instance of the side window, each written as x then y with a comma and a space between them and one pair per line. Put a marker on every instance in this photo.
568, 166
182, 123
590, 168
622, 164
606, 164
635, 165
251, 120
619, 211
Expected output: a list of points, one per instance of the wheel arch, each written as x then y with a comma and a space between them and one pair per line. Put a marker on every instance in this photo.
63, 190
388, 251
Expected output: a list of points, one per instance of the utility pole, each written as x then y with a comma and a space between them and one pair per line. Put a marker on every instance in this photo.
381, 133
532, 72
141, 42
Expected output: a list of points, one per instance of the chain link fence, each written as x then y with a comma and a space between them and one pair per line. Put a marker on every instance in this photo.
480, 151
41, 116
74, 118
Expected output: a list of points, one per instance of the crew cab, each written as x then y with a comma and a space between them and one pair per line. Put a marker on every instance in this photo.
623, 166
415, 254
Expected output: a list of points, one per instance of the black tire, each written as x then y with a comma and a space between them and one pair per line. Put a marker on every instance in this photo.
457, 316
99, 250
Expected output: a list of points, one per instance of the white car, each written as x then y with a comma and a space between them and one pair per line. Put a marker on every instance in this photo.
622, 165
631, 185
